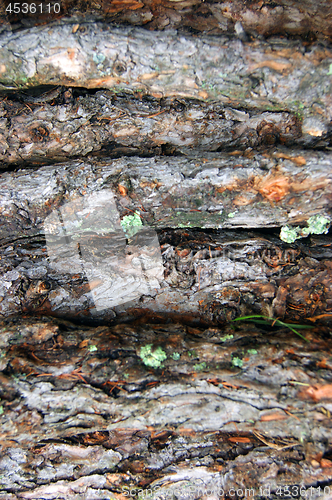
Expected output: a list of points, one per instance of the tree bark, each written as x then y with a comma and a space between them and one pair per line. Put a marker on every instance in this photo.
34, 132
123, 372
278, 75
219, 190
191, 279
86, 417
310, 19
206, 279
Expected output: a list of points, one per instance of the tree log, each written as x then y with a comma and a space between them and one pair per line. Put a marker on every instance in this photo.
164, 394
206, 279
215, 191
310, 19
213, 278
36, 132
268, 76
85, 416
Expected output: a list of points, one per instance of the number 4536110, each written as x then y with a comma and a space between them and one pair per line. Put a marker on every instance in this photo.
33, 8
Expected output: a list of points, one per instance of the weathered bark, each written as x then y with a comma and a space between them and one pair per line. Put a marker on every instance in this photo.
84, 417
214, 278
278, 75
37, 132
310, 19
95, 412
215, 191
204, 279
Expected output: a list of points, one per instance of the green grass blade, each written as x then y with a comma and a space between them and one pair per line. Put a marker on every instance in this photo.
293, 329
265, 320
251, 316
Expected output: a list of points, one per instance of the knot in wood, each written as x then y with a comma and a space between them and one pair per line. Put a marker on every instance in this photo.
268, 132
119, 68
40, 133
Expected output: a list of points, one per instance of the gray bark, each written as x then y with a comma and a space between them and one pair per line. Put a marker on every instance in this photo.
278, 75
221, 276
37, 132
310, 19
85, 417
219, 190
207, 279
163, 391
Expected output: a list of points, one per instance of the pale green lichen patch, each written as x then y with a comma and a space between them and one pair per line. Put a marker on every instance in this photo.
98, 58
289, 234
199, 367
152, 358
317, 224
131, 224
238, 362
226, 337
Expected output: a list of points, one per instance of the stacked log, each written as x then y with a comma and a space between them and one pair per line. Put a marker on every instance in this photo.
155, 188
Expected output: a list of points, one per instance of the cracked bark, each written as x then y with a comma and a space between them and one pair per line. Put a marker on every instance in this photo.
84, 417
247, 120
242, 95
199, 271
102, 124
310, 19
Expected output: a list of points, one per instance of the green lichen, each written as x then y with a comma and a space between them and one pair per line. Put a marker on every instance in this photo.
289, 234
199, 367
131, 224
317, 224
237, 362
330, 70
176, 356
226, 337
152, 358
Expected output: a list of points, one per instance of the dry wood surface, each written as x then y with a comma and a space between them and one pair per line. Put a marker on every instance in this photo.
146, 173
310, 19
86, 417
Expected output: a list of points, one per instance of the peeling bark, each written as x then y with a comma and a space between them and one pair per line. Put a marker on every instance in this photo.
85, 418
310, 19
163, 392
279, 75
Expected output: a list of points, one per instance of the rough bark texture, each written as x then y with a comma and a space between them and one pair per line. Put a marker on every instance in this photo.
213, 191
163, 396
33, 132
310, 19
279, 75
85, 417
207, 279
204, 277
